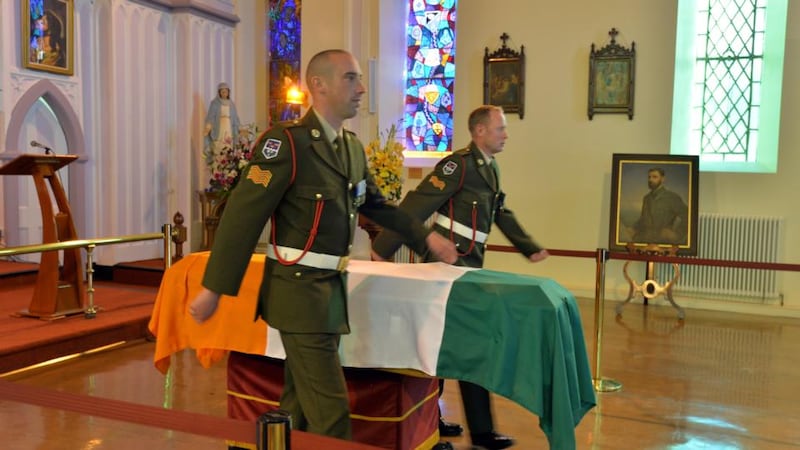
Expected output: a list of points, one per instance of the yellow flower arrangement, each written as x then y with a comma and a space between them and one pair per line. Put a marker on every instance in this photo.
385, 160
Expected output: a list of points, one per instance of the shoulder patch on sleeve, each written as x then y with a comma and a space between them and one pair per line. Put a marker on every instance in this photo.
271, 148
449, 167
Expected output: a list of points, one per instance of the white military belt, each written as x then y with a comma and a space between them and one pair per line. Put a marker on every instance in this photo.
310, 259
461, 229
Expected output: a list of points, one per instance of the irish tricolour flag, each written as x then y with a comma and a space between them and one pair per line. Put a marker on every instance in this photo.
518, 336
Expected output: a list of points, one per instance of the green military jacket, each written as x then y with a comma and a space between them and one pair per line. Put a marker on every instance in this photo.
460, 184
293, 190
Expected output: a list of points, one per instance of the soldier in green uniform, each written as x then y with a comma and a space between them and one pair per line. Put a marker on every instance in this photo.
465, 193
310, 177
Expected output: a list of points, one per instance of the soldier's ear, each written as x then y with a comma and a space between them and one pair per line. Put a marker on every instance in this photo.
317, 83
480, 129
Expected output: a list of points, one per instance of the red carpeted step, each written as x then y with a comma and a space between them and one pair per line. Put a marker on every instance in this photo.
14, 273
123, 312
145, 273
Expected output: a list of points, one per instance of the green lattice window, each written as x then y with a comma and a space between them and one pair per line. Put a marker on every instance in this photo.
728, 72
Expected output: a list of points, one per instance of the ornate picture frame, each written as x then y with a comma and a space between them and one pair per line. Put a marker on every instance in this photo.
504, 78
47, 35
612, 71
654, 203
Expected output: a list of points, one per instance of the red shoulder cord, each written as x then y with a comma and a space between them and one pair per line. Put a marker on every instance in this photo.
320, 204
474, 214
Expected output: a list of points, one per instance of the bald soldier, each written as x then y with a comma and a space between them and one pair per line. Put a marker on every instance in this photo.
311, 178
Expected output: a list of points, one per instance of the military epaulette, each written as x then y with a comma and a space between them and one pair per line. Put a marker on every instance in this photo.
287, 124
351, 133
299, 130
291, 123
463, 151
284, 125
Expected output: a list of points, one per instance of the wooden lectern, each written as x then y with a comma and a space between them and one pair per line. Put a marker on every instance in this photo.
59, 291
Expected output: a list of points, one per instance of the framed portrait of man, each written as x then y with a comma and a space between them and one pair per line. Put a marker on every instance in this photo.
654, 202
47, 35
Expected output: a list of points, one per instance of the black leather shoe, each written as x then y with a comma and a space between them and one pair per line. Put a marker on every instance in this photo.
443, 446
449, 429
492, 440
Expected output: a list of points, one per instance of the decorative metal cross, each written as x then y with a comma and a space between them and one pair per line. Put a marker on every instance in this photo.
613, 33
504, 37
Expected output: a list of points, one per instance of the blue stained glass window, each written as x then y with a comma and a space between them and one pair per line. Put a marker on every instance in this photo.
284, 49
430, 75
285, 29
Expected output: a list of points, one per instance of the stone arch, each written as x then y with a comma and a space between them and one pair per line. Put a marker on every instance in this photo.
76, 143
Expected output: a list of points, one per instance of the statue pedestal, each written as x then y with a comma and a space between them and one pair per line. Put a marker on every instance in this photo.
213, 203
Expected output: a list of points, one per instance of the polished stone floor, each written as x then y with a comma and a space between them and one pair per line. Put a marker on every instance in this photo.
719, 381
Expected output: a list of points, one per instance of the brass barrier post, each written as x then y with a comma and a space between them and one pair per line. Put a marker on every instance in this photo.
166, 229
601, 384
178, 236
91, 310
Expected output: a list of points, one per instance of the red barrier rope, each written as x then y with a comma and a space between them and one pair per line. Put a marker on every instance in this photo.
182, 421
194, 423
689, 260
601, 255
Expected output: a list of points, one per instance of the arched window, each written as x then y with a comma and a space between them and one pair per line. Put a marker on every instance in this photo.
728, 76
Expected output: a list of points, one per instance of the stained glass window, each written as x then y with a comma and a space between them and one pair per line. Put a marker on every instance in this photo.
284, 61
430, 75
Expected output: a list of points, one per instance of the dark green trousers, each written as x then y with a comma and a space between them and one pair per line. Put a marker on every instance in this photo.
314, 390
477, 406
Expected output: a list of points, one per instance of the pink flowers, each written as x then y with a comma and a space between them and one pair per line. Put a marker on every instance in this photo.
227, 162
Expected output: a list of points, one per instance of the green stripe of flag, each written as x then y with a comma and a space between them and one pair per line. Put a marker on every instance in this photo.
520, 336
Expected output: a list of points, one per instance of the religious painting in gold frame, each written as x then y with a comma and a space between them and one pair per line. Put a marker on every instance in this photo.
504, 78
611, 78
47, 35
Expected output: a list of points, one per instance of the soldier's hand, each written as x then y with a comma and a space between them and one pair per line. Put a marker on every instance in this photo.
541, 255
376, 257
203, 305
442, 248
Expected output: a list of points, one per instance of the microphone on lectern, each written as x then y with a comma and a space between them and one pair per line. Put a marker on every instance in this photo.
47, 150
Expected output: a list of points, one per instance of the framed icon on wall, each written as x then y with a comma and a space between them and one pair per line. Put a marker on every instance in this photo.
612, 72
504, 78
47, 35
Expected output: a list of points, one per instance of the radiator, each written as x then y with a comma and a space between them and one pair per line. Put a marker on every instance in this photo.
735, 238
406, 255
